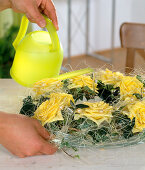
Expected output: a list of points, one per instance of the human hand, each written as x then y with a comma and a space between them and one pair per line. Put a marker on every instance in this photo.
33, 10
24, 136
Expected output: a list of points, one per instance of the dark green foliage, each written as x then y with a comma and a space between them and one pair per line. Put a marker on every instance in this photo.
7, 51
28, 107
54, 126
65, 84
123, 124
88, 93
122, 107
81, 106
140, 79
79, 93
100, 134
84, 123
41, 100
78, 106
138, 96
108, 93
72, 104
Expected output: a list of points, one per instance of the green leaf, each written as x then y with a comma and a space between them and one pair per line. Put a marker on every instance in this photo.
28, 107
72, 104
123, 124
86, 123
108, 93
41, 100
140, 79
138, 96
66, 82
122, 107
81, 106
77, 156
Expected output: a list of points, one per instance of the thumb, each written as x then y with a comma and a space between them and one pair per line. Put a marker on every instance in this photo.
34, 15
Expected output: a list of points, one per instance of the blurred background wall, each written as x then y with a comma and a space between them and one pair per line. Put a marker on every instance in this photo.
100, 22
100, 25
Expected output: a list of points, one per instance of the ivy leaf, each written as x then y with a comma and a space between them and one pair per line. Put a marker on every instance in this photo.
81, 106
77, 156
28, 107
66, 82
100, 134
72, 104
122, 107
88, 93
123, 123
138, 96
108, 93
77, 93
41, 100
140, 79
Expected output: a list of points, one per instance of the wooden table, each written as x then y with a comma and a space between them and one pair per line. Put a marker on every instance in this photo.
127, 158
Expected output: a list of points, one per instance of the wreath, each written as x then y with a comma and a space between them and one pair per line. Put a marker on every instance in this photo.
98, 109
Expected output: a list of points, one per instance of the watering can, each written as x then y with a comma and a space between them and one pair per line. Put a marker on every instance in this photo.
39, 54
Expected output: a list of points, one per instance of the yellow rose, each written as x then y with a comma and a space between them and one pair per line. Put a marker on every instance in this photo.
47, 85
129, 86
109, 77
138, 111
82, 81
50, 110
97, 112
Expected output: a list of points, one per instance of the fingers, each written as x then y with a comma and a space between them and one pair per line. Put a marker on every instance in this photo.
42, 131
48, 148
34, 15
50, 12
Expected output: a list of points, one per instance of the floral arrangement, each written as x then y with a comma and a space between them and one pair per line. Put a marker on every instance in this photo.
98, 109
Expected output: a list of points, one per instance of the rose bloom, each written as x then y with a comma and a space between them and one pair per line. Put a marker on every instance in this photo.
138, 111
82, 81
129, 85
49, 85
97, 112
109, 77
50, 110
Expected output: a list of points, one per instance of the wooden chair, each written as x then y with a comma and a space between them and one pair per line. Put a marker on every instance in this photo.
132, 37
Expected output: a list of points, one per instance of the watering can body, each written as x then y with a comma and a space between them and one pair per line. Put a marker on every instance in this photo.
39, 54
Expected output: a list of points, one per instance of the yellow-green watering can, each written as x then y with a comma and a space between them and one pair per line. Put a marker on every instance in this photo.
39, 54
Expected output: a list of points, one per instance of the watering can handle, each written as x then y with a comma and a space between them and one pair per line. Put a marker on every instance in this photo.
49, 26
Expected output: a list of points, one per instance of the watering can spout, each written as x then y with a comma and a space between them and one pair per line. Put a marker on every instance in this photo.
22, 32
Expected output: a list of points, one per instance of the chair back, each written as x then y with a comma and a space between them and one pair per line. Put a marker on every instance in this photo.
132, 37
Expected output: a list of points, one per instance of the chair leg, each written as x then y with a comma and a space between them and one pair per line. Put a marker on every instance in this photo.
130, 61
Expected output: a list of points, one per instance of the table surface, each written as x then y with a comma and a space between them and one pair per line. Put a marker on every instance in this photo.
126, 158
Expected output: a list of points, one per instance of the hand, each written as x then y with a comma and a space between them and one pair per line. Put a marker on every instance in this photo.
33, 10
24, 136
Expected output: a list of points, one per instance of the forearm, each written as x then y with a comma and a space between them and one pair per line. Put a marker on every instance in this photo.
4, 4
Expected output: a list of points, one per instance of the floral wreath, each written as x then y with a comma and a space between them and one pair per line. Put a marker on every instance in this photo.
94, 109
